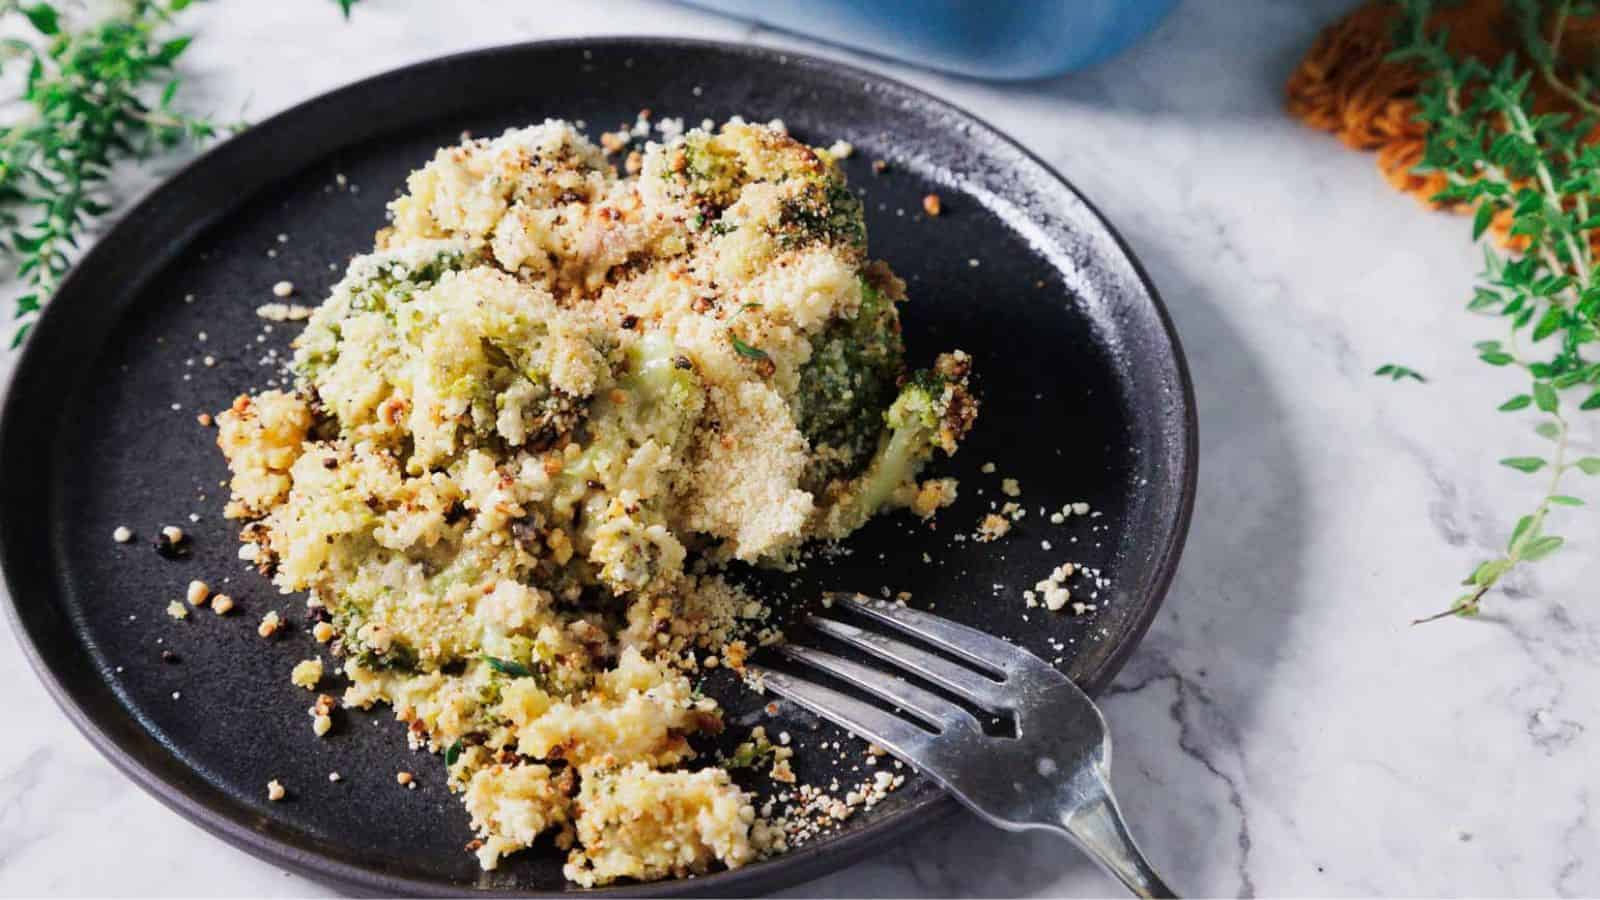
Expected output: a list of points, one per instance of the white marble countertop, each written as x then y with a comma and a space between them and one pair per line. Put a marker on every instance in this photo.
1282, 730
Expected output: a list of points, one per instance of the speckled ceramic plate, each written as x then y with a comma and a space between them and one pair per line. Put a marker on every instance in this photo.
1086, 399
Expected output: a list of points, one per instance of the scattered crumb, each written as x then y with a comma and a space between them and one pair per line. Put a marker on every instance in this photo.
306, 674
275, 791
282, 312
122, 534
783, 772
222, 604
283, 289
177, 610
1052, 591
198, 593
270, 623
1010, 487
933, 495
841, 149
932, 205
992, 528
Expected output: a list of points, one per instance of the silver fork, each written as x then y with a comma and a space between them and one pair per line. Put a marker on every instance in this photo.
1054, 775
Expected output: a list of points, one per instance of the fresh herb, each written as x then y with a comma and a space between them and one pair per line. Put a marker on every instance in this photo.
91, 98
452, 753
745, 350
509, 667
824, 213
1398, 373
345, 6
1507, 161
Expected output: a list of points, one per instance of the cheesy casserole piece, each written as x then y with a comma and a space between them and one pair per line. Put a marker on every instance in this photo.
531, 429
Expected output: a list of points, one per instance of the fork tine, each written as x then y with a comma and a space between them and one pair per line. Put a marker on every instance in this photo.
894, 734
985, 650
976, 688
926, 705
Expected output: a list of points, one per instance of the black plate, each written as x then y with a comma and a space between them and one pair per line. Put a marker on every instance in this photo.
1087, 398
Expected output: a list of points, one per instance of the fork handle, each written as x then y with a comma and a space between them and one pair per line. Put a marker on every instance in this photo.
1094, 823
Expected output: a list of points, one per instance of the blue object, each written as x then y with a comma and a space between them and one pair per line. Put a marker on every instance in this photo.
1005, 40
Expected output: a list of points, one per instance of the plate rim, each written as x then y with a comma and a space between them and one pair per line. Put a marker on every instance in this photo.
793, 868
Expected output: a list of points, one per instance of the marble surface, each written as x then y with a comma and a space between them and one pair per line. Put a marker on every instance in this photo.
1282, 730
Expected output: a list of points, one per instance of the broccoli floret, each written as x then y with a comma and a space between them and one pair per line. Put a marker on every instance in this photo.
935, 410
936, 406
847, 385
824, 211
546, 413
374, 284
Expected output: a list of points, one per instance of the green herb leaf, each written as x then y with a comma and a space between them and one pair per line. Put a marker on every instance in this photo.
1397, 373
1544, 396
509, 667
1566, 500
1549, 430
1527, 527
1542, 547
1524, 463
1481, 219
745, 350
1520, 401
43, 17
1589, 465
92, 98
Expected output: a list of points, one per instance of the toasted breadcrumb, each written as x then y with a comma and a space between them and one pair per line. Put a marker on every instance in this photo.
528, 430
307, 673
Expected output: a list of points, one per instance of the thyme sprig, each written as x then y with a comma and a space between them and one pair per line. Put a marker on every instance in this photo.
1505, 160
1395, 372
91, 97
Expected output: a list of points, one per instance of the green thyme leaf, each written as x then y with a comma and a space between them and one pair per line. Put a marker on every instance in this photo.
745, 350
1542, 547
1527, 527
1481, 219
1544, 396
1398, 373
508, 667
452, 753
1520, 401
1566, 500
94, 96
1524, 463
1589, 465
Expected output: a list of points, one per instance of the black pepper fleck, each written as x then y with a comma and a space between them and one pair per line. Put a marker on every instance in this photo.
170, 549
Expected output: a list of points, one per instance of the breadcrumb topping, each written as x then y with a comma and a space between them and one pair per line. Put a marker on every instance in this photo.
529, 428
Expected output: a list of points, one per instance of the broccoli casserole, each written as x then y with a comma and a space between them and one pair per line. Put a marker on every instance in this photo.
532, 427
